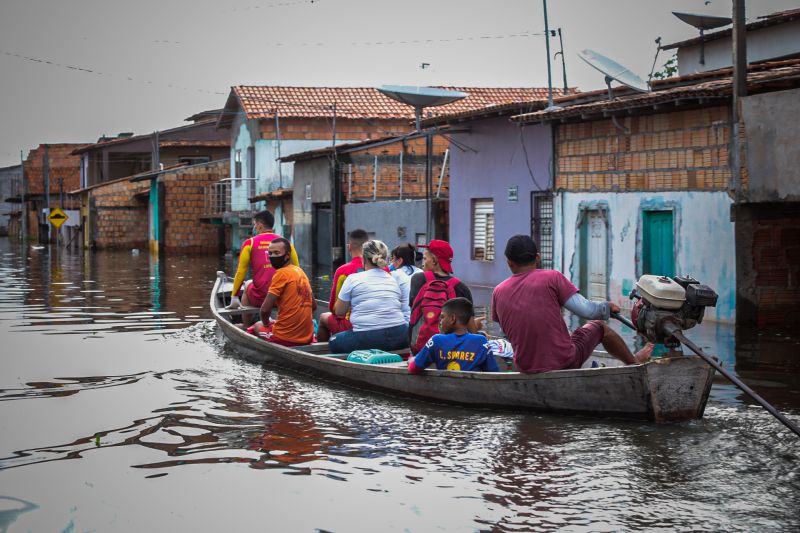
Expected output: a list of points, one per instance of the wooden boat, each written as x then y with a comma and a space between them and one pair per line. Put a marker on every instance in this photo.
662, 390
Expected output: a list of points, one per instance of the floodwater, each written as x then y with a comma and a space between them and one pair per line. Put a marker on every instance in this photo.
121, 409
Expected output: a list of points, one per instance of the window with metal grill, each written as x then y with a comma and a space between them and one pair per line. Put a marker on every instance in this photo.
483, 229
542, 226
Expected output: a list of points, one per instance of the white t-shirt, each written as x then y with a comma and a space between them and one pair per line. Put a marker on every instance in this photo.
403, 277
374, 298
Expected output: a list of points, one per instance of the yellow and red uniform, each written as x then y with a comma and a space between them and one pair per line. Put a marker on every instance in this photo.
255, 254
337, 324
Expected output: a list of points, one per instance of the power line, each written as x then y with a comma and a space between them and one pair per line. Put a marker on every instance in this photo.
85, 70
275, 4
412, 41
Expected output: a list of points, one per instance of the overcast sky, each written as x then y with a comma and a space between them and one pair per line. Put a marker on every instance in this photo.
153, 63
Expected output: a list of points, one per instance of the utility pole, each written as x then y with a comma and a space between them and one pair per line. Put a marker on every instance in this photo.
739, 82
547, 46
563, 62
24, 197
46, 175
61, 206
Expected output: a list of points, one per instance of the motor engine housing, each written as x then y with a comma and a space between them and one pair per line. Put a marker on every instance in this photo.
668, 303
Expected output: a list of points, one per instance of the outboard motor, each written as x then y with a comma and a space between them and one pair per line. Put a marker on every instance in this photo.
666, 304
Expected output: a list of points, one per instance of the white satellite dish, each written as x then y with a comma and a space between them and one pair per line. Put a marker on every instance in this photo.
613, 71
420, 97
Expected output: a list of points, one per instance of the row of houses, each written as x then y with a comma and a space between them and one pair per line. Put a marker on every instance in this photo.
611, 186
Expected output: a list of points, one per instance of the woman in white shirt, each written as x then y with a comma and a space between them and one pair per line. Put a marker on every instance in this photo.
402, 267
374, 301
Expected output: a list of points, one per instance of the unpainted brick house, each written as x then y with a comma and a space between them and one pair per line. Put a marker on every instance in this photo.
644, 184
382, 187
51, 171
145, 191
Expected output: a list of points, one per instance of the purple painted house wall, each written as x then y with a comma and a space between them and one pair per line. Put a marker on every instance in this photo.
500, 163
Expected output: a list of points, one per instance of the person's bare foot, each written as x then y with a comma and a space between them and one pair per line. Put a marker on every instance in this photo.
643, 355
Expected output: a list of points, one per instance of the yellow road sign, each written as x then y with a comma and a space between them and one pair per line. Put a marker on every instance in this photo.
57, 217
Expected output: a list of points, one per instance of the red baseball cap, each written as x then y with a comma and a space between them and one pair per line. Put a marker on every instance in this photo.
443, 252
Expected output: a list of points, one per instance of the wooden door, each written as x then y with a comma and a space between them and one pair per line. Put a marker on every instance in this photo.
658, 237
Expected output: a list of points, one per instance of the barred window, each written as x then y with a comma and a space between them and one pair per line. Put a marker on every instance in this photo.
483, 229
542, 226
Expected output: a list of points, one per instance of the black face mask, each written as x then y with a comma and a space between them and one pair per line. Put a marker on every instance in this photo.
278, 261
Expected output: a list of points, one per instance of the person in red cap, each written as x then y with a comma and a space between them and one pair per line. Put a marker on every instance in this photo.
430, 289
437, 258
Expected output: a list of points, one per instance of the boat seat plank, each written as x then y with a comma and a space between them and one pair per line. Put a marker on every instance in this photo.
238, 310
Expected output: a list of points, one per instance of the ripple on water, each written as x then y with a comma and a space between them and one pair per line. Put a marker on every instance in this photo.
736, 469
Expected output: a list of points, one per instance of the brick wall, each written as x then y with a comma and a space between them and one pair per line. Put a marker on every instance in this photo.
358, 170
320, 128
120, 215
184, 194
681, 150
768, 262
776, 258
61, 165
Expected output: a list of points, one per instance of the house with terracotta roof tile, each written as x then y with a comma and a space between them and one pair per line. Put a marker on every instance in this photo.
646, 183
268, 123
121, 210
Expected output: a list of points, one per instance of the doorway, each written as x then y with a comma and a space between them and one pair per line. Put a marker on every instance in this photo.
594, 255
658, 239
322, 235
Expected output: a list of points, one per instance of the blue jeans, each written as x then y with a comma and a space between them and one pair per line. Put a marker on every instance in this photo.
393, 338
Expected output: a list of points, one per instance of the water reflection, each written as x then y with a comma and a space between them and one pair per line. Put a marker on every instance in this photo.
172, 412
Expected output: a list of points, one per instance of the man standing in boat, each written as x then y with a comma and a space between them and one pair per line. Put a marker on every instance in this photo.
290, 292
329, 323
528, 308
254, 254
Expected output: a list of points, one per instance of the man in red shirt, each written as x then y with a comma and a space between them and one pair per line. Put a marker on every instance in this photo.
255, 254
329, 323
528, 307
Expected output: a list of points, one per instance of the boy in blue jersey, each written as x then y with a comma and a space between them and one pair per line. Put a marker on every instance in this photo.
455, 348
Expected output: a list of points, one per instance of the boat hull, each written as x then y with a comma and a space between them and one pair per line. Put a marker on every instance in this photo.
663, 390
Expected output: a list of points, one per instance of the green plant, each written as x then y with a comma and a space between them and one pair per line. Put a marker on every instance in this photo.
669, 69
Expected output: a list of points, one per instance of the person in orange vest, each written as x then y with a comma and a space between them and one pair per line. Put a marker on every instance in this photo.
255, 255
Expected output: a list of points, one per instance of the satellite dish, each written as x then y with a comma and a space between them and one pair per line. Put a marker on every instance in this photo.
420, 97
703, 23
613, 71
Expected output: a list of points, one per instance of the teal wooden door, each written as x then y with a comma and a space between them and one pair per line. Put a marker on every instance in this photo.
658, 238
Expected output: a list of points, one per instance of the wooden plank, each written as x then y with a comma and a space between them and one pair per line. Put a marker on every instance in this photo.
238, 310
